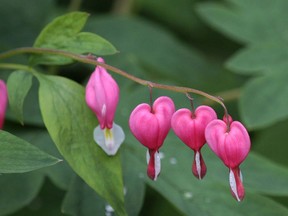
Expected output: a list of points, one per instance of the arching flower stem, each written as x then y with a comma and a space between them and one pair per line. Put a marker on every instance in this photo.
88, 60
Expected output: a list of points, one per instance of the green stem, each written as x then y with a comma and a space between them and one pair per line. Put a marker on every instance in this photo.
18, 67
89, 59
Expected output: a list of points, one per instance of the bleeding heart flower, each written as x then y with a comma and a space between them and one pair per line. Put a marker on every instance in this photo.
3, 102
190, 128
102, 96
150, 125
231, 143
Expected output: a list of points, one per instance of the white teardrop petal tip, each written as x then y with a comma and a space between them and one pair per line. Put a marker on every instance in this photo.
109, 140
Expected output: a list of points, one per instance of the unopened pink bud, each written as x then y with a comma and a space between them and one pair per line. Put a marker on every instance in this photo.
102, 96
190, 128
150, 125
232, 145
3, 102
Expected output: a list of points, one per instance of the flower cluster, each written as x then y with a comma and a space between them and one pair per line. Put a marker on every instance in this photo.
150, 124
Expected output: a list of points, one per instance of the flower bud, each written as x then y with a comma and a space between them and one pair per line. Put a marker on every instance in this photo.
150, 126
102, 96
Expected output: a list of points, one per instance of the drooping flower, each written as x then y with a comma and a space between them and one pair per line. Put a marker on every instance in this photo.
230, 141
102, 96
150, 125
190, 128
3, 102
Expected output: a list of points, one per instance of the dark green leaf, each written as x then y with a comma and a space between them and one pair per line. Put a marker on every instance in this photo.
81, 200
159, 53
22, 22
212, 195
276, 134
266, 57
18, 84
63, 33
264, 100
17, 155
60, 174
70, 124
248, 21
18, 190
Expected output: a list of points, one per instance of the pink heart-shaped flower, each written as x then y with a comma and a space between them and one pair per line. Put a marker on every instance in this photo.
190, 128
151, 125
230, 141
231, 146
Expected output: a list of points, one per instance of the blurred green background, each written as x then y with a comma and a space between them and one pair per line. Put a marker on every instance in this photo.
234, 49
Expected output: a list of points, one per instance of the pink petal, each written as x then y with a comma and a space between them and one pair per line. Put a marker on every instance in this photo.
233, 146
151, 127
190, 129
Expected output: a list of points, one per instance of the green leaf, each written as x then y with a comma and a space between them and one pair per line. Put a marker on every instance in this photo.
70, 124
18, 84
31, 110
134, 185
248, 21
264, 100
269, 57
275, 134
63, 33
17, 155
33, 15
18, 190
60, 174
81, 200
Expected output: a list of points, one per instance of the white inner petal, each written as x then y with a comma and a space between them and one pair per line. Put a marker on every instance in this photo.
198, 164
147, 156
157, 164
233, 185
109, 139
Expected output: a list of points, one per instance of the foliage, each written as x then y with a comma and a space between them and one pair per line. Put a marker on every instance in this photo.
245, 63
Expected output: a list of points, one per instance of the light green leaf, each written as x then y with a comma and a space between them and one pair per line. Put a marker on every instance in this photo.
70, 124
63, 33
264, 100
248, 21
18, 84
18, 156
18, 190
31, 110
